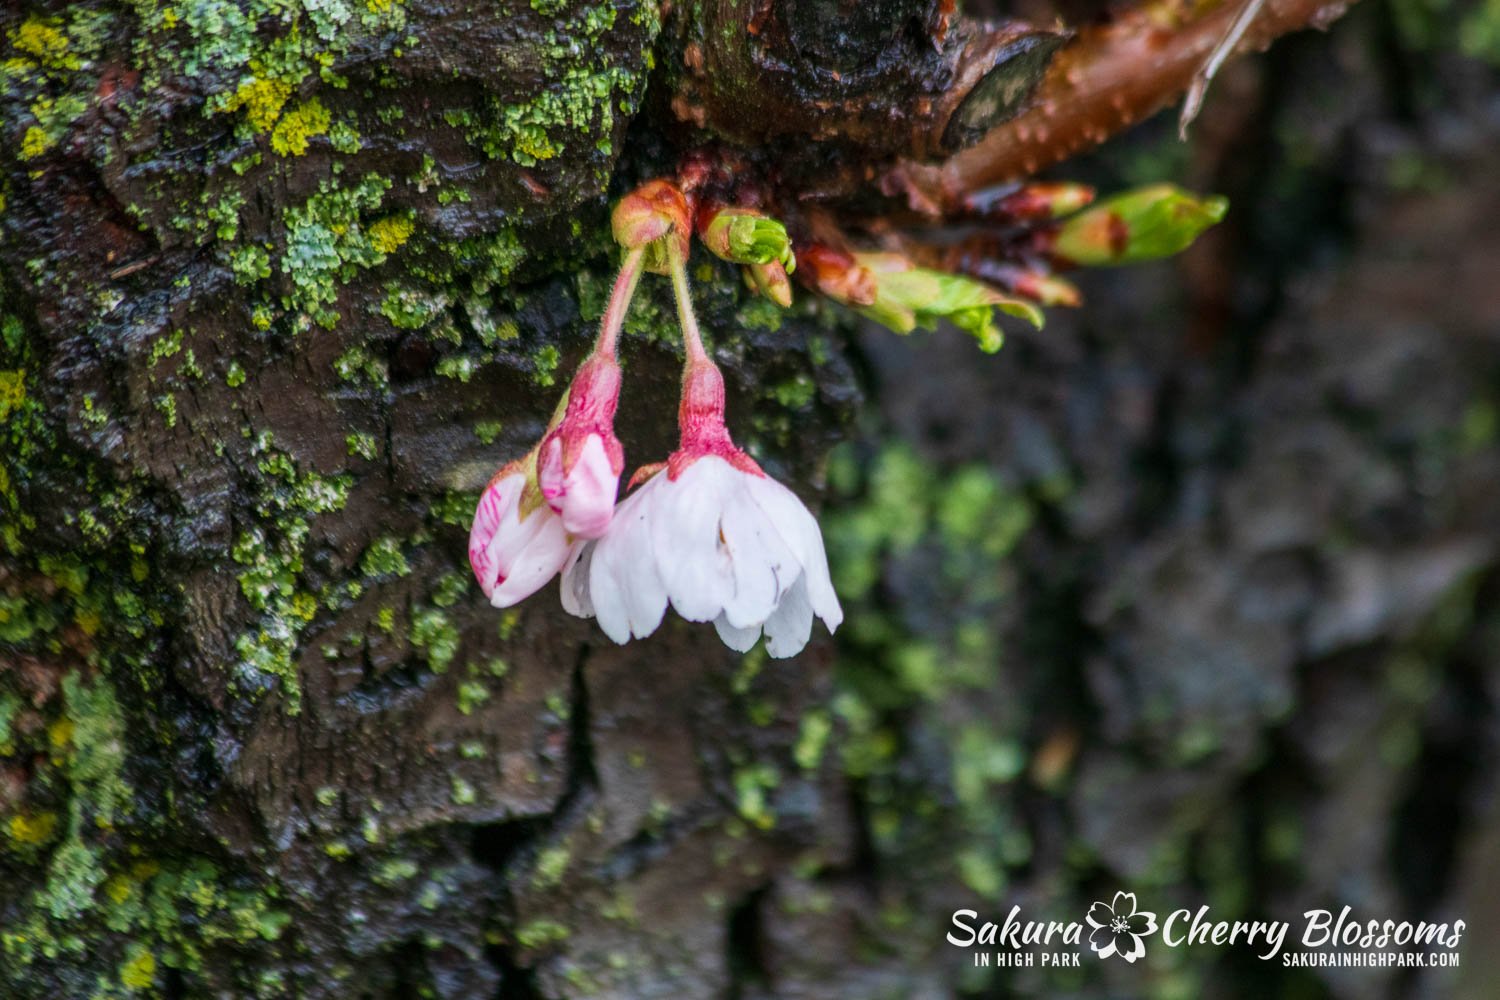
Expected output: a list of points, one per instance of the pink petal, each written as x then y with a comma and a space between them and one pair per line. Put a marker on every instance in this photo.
588, 493
499, 500
539, 555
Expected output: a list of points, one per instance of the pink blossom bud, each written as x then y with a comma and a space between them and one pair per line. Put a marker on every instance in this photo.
516, 543
652, 214
583, 496
836, 274
700, 421
580, 459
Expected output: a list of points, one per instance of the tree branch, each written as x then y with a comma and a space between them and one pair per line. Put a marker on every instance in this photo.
1110, 77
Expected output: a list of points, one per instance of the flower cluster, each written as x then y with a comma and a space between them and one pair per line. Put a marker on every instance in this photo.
706, 531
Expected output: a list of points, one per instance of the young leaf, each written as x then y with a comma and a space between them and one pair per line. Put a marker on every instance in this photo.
1143, 224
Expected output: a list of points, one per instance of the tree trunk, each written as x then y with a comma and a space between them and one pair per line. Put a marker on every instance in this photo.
1192, 593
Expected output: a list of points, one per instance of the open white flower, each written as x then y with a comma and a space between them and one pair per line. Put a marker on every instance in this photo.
715, 537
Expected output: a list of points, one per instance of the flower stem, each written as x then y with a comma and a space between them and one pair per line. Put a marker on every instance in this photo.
619, 302
691, 338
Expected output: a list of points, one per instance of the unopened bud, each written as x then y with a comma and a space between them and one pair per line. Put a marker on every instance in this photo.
651, 216
1035, 202
1044, 289
771, 281
1144, 224
908, 297
837, 275
1049, 290
744, 236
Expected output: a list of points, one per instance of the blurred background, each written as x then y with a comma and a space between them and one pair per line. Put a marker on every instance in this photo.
1194, 593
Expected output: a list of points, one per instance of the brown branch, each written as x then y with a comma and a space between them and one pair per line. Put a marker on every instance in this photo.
1109, 78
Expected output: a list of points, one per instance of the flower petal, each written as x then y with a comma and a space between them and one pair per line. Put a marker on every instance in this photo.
1099, 915
738, 639
788, 628
1102, 941
763, 565
694, 564
624, 583
575, 581
800, 529
587, 501
538, 561
1124, 904
498, 500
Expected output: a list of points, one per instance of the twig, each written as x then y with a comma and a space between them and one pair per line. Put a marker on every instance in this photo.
1206, 73
1111, 76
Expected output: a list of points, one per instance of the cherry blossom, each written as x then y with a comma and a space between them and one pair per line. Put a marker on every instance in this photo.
709, 532
516, 543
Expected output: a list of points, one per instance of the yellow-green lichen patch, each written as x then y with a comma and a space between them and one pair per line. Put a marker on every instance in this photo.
327, 244
42, 65
297, 126
12, 392
577, 100
387, 235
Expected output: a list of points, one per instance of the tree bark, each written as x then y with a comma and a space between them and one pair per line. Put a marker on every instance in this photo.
283, 286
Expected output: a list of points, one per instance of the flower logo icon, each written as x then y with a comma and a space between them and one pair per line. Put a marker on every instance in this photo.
1119, 928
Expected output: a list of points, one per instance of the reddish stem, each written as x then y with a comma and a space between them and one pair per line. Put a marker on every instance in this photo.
619, 303
1111, 76
691, 337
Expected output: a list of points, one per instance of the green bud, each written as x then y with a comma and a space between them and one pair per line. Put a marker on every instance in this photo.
741, 236
1144, 224
770, 280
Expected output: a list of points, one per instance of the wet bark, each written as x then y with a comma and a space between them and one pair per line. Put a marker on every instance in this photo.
1193, 592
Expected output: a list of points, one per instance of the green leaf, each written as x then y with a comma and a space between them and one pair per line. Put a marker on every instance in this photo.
1144, 224
908, 297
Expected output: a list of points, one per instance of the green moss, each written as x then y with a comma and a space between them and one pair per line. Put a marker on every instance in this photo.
551, 866
541, 933
384, 558
12, 392
472, 694
250, 264
1479, 32
577, 100
796, 392
487, 430
752, 785
812, 739
395, 871
139, 970
271, 553
965, 522
462, 792
43, 69
357, 365
435, 634
362, 445
545, 363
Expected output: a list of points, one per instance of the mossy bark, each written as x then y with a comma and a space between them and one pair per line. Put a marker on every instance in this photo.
283, 284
